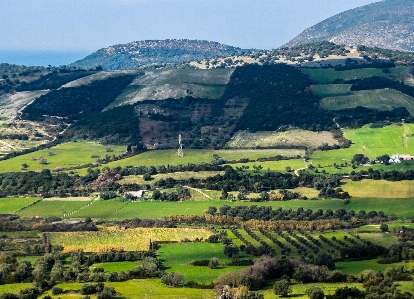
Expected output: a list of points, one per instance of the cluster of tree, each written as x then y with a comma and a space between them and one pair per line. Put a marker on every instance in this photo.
359, 116
394, 55
362, 251
69, 102
392, 175
54, 80
180, 193
398, 253
99, 289
161, 169
268, 213
351, 64
376, 287
114, 126
232, 180
279, 97
268, 268
33, 183
322, 49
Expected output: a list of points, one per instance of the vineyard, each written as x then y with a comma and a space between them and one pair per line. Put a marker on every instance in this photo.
299, 244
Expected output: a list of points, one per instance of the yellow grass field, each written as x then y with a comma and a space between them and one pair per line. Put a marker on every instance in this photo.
379, 189
115, 239
245, 139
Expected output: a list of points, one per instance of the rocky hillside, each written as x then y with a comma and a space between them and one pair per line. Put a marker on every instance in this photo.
154, 52
386, 24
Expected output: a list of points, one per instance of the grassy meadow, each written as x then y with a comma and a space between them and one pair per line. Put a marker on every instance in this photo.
115, 210
46, 208
379, 189
372, 143
381, 99
63, 155
402, 208
326, 76
116, 266
177, 258
138, 288
13, 204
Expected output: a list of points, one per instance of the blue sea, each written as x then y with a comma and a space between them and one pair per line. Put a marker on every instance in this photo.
40, 58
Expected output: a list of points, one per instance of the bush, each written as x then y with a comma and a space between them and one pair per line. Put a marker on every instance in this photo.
213, 263
282, 288
57, 291
172, 279
315, 293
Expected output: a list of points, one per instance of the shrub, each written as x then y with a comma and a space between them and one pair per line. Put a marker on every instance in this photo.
172, 279
282, 288
57, 291
213, 263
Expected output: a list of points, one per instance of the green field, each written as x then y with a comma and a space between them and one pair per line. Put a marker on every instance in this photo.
328, 90
113, 210
47, 208
165, 157
381, 99
138, 288
402, 208
379, 189
14, 288
177, 258
13, 204
160, 209
116, 266
357, 267
64, 155
372, 143
325, 76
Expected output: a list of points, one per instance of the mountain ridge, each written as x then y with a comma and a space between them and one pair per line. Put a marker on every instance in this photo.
154, 52
386, 24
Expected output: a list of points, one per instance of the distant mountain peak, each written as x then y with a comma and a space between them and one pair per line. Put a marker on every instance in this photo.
155, 52
386, 24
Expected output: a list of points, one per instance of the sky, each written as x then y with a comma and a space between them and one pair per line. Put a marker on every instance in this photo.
57, 32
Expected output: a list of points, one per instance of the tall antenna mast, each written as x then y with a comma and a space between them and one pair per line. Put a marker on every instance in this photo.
180, 152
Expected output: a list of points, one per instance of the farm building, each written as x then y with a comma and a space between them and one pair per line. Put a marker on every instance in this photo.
397, 158
135, 194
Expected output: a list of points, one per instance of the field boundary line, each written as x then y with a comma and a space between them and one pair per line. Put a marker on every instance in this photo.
29, 205
199, 191
117, 210
65, 215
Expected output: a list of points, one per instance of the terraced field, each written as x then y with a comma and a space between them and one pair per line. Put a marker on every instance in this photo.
381, 99
326, 76
164, 84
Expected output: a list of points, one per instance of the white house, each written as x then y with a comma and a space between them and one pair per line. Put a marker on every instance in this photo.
397, 158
